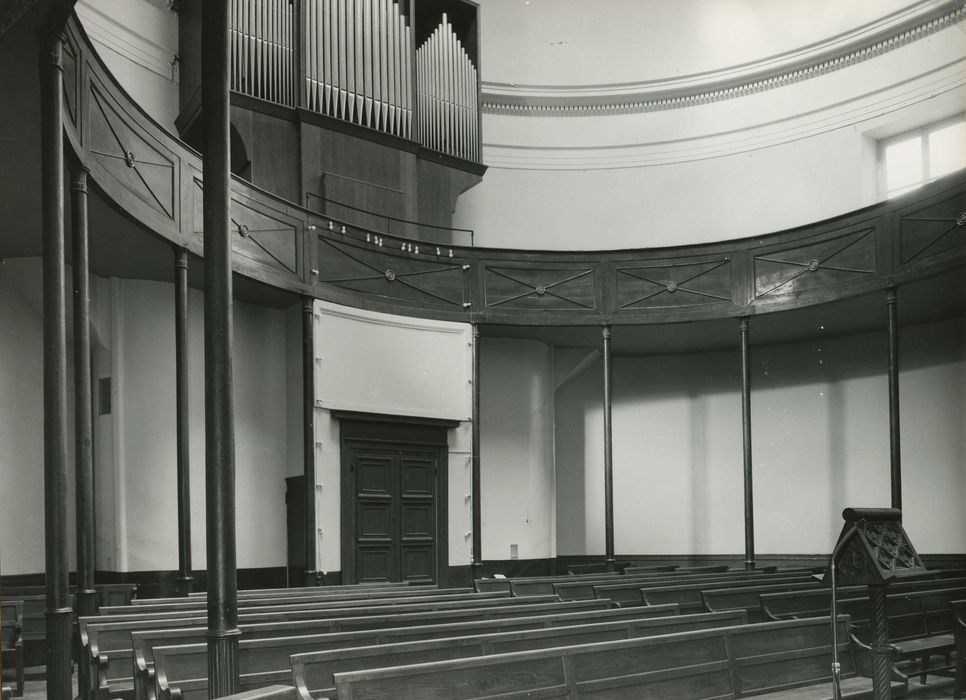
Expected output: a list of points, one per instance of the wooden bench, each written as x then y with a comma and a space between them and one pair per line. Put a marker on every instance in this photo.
575, 590
273, 692
748, 598
769, 660
119, 669
688, 596
920, 627
709, 569
313, 673
506, 584
628, 592
349, 598
106, 643
181, 670
798, 604
269, 639
958, 610
262, 592
11, 640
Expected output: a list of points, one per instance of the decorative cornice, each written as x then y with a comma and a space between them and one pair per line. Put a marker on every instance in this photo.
868, 41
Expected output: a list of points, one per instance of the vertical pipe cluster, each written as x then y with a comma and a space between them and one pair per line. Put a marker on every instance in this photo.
357, 56
263, 49
222, 633
58, 610
448, 97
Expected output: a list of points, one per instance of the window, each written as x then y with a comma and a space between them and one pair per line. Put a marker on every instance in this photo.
914, 158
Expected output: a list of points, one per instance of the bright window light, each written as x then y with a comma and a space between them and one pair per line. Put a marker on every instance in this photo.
914, 158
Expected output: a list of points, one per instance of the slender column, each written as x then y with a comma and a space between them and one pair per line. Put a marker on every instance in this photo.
58, 610
609, 559
746, 443
308, 436
185, 579
83, 420
894, 447
476, 475
223, 630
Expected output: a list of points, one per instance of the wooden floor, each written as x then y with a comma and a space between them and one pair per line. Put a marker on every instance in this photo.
937, 689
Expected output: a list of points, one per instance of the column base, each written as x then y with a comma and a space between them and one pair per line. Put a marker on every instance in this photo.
186, 585
223, 662
59, 629
313, 578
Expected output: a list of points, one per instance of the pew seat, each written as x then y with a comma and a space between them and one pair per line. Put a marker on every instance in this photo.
958, 610
772, 660
11, 640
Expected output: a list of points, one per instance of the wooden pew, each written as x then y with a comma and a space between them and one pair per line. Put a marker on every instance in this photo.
116, 669
798, 604
504, 584
748, 598
11, 640
273, 692
628, 590
349, 598
688, 595
763, 660
258, 636
920, 627
709, 569
958, 610
262, 592
180, 670
106, 644
541, 585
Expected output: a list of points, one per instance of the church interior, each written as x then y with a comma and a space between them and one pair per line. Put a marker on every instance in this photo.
456, 349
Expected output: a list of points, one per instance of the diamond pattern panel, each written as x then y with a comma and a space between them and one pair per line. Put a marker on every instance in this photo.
673, 285
557, 289
933, 230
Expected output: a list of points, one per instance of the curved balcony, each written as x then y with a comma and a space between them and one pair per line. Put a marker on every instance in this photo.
156, 180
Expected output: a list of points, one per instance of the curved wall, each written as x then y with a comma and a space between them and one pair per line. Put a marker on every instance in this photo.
574, 166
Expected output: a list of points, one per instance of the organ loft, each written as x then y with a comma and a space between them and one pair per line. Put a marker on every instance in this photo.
454, 349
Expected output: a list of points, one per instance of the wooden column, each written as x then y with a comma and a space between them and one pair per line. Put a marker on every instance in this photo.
308, 437
58, 610
181, 361
746, 443
83, 420
475, 456
895, 456
609, 559
223, 633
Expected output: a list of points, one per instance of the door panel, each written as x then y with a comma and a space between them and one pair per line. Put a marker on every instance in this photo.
393, 511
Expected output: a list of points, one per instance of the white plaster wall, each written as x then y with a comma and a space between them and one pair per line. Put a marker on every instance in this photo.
144, 416
516, 449
138, 41
820, 443
21, 431
382, 363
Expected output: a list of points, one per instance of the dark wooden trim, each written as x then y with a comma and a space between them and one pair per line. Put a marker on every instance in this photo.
183, 424
477, 474
362, 417
357, 130
446, 159
608, 399
83, 420
222, 633
747, 471
895, 452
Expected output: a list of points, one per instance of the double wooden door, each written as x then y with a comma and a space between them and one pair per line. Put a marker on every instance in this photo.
393, 513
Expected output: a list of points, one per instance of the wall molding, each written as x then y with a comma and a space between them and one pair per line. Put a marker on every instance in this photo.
125, 41
866, 42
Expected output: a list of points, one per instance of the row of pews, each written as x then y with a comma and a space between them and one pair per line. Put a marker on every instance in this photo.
695, 633
23, 625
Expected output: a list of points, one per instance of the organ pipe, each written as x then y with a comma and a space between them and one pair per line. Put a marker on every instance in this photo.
359, 63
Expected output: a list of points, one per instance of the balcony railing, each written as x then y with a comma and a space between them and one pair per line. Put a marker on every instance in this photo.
358, 61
